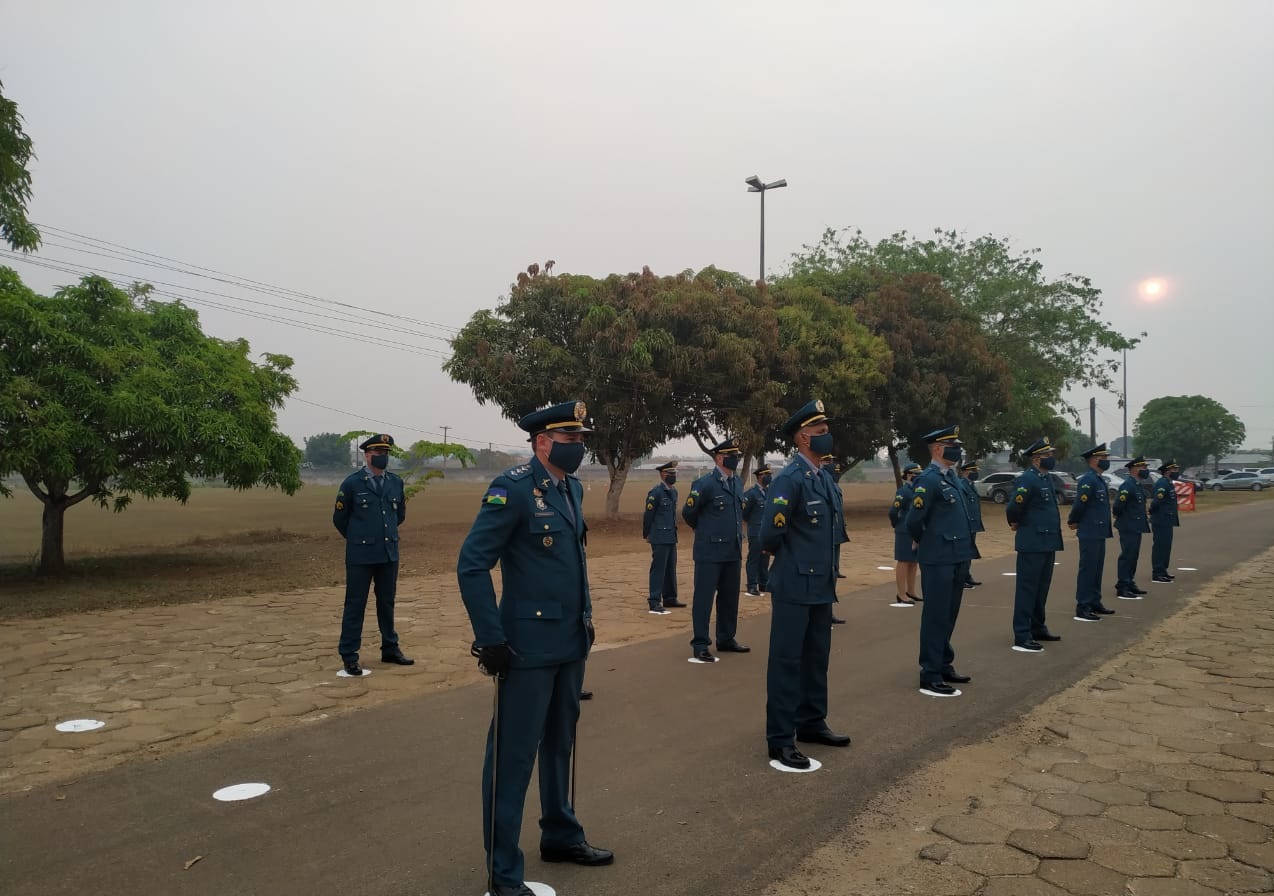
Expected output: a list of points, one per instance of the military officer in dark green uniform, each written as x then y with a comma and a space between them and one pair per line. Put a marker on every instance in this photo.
1032, 514
906, 568
968, 476
800, 530
758, 562
939, 524
714, 510
1164, 518
1090, 521
370, 506
659, 528
1132, 523
534, 641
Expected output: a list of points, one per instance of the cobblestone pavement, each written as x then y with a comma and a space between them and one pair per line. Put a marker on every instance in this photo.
1153, 776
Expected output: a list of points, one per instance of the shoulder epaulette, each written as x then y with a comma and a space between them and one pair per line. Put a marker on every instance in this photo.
520, 472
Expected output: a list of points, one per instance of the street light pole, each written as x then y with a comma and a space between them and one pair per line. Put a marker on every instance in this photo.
756, 185
1127, 447
444, 446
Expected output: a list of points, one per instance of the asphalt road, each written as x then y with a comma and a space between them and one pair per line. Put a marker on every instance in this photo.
672, 768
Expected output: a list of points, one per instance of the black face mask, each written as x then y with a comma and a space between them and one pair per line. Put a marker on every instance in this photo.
670, 478
765, 480
730, 462
1048, 463
821, 444
1103, 465
973, 477
567, 456
1173, 475
952, 453
1143, 474
380, 461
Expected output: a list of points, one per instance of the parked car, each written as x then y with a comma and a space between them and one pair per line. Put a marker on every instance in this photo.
995, 487
998, 487
1241, 480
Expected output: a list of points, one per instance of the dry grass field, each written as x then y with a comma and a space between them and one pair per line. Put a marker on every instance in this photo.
224, 543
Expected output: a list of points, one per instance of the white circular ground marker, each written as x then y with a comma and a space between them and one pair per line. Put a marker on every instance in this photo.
888, 568
928, 693
702, 662
815, 765
538, 889
236, 792
1008, 573
902, 605
344, 674
80, 725
1187, 569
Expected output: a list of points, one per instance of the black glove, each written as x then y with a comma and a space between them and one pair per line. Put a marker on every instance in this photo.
493, 660
592, 632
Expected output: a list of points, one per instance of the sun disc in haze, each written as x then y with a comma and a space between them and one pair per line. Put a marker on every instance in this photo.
1152, 289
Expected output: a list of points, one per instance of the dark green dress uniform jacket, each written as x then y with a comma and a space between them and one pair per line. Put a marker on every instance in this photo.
368, 518
1034, 508
1091, 510
659, 522
1130, 507
753, 509
1163, 504
973, 503
801, 529
714, 510
938, 519
525, 525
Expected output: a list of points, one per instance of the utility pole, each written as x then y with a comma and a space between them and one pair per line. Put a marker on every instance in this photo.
1092, 419
444, 446
1127, 447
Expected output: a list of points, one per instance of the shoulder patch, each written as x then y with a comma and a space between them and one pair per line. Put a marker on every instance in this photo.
898, 501
340, 505
779, 501
1083, 497
920, 489
1123, 496
518, 472
496, 496
779, 521
919, 502
650, 505
1019, 498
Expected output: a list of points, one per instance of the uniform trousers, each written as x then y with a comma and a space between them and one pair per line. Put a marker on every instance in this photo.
383, 577
719, 581
796, 677
663, 574
538, 712
1129, 554
1034, 576
943, 587
758, 566
1161, 550
1092, 558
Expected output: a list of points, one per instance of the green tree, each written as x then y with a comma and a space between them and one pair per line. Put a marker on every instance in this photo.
1122, 447
1071, 448
414, 461
327, 449
654, 358
940, 367
1048, 331
1187, 428
106, 395
15, 180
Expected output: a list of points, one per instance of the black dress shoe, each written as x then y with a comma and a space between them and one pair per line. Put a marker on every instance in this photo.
954, 677
827, 737
937, 689
673, 603
790, 756
705, 656
753, 591
732, 647
914, 596
969, 585
1047, 636
1162, 579
1103, 611
840, 575
396, 657
353, 668
1028, 646
579, 853
836, 620
972, 582
1136, 590
511, 890
586, 695
1086, 616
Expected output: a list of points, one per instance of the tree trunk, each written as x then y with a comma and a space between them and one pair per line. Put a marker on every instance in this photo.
893, 460
618, 478
52, 558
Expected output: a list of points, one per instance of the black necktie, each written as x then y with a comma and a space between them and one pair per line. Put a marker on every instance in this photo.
566, 496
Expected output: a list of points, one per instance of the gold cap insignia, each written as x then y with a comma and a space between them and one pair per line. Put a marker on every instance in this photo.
581, 411
956, 431
818, 404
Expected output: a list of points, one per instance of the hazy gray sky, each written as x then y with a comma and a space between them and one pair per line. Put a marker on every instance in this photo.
411, 157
